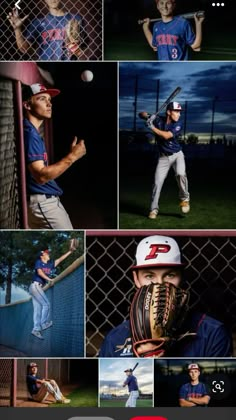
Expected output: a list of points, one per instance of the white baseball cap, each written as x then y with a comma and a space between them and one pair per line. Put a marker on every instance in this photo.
157, 251
35, 89
174, 106
193, 366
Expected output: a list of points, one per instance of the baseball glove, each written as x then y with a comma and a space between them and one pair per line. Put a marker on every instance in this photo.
156, 314
74, 244
72, 40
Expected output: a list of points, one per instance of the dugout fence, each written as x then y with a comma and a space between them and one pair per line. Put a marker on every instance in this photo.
209, 275
91, 32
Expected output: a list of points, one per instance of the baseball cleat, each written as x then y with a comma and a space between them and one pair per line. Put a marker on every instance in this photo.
65, 401
37, 334
153, 214
47, 325
185, 206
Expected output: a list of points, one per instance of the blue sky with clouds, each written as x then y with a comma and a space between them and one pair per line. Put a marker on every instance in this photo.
203, 84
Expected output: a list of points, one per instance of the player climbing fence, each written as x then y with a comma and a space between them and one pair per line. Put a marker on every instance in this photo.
210, 276
40, 28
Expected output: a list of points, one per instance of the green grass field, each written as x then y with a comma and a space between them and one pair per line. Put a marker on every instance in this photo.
212, 194
81, 397
121, 403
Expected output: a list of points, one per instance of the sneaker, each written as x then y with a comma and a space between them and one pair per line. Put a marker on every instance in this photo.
37, 334
64, 401
153, 214
47, 325
185, 206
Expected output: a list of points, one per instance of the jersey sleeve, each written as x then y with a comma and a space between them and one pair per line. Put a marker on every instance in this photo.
189, 34
220, 343
31, 33
34, 149
175, 129
183, 392
154, 42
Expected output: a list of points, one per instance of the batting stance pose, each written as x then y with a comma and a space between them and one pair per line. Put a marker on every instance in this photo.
172, 36
148, 332
132, 383
168, 131
43, 270
40, 388
194, 393
47, 36
45, 210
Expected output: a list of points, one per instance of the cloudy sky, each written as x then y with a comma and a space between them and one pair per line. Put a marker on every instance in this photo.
112, 376
208, 93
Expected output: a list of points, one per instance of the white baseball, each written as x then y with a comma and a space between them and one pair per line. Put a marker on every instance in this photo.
87, 76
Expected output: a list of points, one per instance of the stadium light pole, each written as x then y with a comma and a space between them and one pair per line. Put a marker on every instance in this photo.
135, 102
213, 116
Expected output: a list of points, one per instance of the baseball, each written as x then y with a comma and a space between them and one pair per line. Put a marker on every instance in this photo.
87, 76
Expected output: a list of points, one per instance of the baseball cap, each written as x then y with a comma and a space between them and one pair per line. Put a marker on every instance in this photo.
128, 370
32, 364
174, 106
193, 366
157, 250
35, 89
46, 251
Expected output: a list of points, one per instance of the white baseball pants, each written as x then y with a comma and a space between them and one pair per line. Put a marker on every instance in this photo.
131, 402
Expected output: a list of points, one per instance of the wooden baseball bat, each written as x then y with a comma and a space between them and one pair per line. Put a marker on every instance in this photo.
190, 15
169, 99
134, 367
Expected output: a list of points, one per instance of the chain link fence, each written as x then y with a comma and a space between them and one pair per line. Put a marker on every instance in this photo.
210, 275
6, 367
43, 35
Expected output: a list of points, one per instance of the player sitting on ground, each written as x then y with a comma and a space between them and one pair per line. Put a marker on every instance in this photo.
172, 36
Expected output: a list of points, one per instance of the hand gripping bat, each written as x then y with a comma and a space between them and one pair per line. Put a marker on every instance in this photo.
200, 13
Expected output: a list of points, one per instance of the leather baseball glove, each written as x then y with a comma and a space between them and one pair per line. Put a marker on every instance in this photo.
156, 314
73, 37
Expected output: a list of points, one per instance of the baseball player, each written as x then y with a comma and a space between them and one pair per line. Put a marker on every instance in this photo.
158, 261
45, 210
43, 270
40, 388
194, 393
172, 36
132, 384
168, 130
46, 36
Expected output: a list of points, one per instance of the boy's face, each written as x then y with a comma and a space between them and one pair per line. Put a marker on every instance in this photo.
162, 275
194, 374
40, 106
166, 7
174, 115
53, 4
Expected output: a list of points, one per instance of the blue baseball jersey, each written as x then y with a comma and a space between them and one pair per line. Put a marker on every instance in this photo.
172, 39
172, 145
31, 384
35, 150
132, 383
47, 268
193, 391
211, 339
48, 34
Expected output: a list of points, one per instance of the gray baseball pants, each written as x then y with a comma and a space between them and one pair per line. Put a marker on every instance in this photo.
177, 162
47, 213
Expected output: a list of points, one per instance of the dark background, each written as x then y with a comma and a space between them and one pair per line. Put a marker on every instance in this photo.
89, 111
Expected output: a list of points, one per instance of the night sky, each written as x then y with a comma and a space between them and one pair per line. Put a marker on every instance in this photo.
205, 85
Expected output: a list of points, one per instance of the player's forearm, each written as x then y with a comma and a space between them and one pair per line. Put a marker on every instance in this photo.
200, 400
43, 275
62, 258
198, 39
148, 34
23, 45
47, 173
185, 403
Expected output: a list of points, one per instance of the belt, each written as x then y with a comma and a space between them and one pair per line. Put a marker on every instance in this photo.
46, 195
167, 154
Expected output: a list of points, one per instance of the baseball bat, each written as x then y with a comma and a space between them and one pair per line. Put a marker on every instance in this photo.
169, 99
200, 13
134, 367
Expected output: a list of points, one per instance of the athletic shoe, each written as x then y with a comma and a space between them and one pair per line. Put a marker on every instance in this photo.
185, 206
37, 334
64, 401
47, 325
153, 214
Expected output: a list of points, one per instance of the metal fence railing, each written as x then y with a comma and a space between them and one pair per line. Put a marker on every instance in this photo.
210, 276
